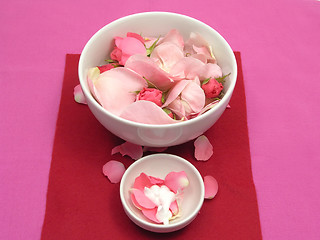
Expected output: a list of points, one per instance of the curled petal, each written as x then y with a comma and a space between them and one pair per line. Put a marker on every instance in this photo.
146, 112
173, 36
78, 95
141, 199
136, 35
143, 180
113, 170
148, 68
176, 181
117, 83
194, 96
168, 54
130, 149
203, 148
174, 208
175, 91
210, 187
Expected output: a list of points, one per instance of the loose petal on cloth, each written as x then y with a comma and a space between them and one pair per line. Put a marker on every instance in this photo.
210, 187
78, 95
113, 170
130, 149
203, 148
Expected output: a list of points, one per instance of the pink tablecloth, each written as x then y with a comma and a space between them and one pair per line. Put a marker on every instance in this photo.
279, 42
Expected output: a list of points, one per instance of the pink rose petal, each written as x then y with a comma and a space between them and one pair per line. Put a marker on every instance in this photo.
203, 148
168, 53
130, 149
151, 214
148, 68
173, 36
174, 208
142, 200
118, 83
176, 181
142, 181
146, 112
194, 96
113, 170
78, 95
210, 187
175, 91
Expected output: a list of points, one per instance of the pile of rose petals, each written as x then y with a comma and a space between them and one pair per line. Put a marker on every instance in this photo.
159, 199
157, 81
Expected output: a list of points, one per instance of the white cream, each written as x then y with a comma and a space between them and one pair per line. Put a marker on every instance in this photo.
162, 197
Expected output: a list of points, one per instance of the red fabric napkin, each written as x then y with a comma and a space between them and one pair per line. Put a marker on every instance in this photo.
83, 204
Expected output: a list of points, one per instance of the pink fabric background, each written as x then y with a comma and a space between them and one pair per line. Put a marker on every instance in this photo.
279, 43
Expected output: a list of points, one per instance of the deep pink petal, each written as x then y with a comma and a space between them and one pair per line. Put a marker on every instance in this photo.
151, 214
176, 181
210, 187
148, 68
203, 148
142, 181
142, 199
113, 170
130, 149
78, 95
146, 112
115, 89
155, 180
135, 35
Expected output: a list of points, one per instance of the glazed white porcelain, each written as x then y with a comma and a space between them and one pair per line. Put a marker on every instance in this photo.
159, 165
99, 47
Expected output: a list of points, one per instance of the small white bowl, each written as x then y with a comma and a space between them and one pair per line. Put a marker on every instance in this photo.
159, 165
98, 49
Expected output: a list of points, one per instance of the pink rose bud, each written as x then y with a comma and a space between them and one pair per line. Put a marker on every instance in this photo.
212, 88
150, 94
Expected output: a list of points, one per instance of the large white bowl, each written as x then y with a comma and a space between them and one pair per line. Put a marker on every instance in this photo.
159, 165
99, 47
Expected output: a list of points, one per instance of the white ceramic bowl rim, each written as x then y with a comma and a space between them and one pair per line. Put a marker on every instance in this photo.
155, 225
153, 14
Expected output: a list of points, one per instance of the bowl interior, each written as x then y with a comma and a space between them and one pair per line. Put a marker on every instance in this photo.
159, 165
154, 24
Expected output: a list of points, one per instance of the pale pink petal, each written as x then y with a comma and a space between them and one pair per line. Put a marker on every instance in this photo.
116, 88
176, 181
194, 96
175, 37
146, 112
113, 170
168, 53
210, 187
203, 148
135, 35
151, 214
141, 199
78, 95
131, 45
207, 107
178, 108
187, 67
175, 91
130, 149
142, 181
149, 69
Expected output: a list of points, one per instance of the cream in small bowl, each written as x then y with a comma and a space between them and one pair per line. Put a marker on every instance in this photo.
159, 165
98, 49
